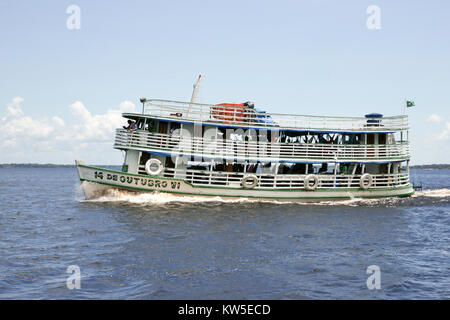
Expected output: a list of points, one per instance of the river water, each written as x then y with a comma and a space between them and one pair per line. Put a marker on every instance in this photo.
157, 246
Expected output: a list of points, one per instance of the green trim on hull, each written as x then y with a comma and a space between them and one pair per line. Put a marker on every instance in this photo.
218, 187
255, 197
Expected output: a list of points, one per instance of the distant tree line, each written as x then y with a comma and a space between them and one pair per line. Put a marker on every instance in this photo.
431, 166
43, 165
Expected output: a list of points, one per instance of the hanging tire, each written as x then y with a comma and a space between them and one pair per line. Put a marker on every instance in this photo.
250, 181
315, 179
153, 167
366, 181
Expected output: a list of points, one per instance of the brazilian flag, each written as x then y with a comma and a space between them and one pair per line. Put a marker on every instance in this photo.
410, 104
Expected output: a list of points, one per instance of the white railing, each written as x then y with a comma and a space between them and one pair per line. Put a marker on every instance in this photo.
145, 140
280, 181
247, 117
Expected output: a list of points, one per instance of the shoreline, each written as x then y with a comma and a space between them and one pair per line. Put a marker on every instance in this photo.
47, 165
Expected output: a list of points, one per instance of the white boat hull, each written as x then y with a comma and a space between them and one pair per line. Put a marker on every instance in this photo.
96, 181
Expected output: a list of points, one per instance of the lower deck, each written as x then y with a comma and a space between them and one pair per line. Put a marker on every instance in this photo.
268, 175
280, 181
98, 179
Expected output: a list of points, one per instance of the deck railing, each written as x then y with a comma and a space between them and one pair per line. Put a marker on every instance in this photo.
144, 140
280, 181
224, 114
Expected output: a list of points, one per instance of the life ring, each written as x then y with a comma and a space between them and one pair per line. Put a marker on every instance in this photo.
149, 167
249, 184
314, 186
366, 181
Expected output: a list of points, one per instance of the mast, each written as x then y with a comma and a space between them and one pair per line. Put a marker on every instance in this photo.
195, 93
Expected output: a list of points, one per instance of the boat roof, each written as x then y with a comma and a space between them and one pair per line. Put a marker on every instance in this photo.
233, 115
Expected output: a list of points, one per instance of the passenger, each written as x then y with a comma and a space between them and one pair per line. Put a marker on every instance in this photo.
133, 126
280, 169
297, 168
238, 167
175, 131
129, 125
266, 168
324, 168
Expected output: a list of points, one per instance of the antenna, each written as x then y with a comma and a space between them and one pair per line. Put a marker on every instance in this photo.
143, 101
195, 93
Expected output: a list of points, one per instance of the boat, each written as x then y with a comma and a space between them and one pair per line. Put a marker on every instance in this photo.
235, 150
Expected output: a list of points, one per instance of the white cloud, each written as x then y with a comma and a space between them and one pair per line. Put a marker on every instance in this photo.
445, 134
58, 121
13, 108
435, 118
98, 127
16, 128
19, 132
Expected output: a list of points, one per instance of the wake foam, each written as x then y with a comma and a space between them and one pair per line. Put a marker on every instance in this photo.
114, 195
433, 193
161, 198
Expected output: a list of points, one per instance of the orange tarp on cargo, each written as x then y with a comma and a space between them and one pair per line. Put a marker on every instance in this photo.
228, 112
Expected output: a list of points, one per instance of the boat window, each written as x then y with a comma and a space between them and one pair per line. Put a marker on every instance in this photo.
236, 137
198, 165
140, 124
238, 167
150, 125
323, 168
391, 138
174, 126
251, 168
351, 138
299, 168
346, 139
169, 162
218, 167
144, 158
291, 168
345, 168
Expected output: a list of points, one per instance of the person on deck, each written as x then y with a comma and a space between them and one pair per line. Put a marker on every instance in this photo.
133, 126
129, 125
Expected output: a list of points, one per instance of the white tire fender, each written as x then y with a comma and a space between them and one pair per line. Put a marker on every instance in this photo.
250, 181
311, 187
366, 181
150, 167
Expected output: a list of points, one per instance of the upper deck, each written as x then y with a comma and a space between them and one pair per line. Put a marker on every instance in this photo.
231, 116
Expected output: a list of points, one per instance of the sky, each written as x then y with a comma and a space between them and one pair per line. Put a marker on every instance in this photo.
63, 89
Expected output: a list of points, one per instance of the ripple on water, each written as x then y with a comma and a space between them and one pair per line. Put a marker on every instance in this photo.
159, 246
